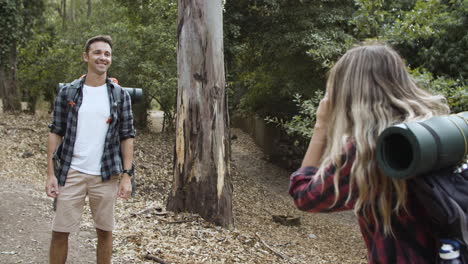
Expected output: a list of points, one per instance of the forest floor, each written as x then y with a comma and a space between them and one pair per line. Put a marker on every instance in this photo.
146, 232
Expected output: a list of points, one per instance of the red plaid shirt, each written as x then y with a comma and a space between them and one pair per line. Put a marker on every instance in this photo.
414, 241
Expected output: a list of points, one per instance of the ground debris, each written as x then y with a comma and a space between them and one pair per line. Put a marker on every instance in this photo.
154, 258
145, 229
286, 220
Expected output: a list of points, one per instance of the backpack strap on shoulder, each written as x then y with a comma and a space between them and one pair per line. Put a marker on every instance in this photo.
72, 89
116, 95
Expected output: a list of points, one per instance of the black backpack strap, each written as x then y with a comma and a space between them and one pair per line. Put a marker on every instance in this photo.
117, 97
72, 89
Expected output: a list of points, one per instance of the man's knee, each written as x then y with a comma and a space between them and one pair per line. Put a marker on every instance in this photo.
59, 236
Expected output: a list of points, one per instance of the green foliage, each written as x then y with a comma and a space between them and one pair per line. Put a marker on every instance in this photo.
299, 128
9, 23
44, 62
301, 125
144, 51
428, 33
275, 49
456, 91
17, 19
154, 44
53, 53
373, 16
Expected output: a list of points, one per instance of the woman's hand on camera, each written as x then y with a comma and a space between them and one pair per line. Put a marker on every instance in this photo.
322, 113
319, 137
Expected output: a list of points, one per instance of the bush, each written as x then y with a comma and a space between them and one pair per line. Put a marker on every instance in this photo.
456, 91
300, 125
299, 128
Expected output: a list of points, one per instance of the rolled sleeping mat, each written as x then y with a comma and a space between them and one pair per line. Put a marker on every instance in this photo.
415, 148
135, 93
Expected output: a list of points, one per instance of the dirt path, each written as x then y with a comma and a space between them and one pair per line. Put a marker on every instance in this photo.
261, 190
25, 211
25, 218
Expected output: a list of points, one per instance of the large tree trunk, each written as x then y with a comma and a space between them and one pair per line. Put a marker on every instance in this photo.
11, 97
202, 181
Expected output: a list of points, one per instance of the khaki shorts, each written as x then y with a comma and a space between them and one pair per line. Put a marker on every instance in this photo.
71, 200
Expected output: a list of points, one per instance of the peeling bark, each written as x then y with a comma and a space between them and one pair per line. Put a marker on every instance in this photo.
201, 165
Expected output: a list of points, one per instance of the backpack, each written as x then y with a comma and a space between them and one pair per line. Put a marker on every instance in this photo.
72, 91
444, 194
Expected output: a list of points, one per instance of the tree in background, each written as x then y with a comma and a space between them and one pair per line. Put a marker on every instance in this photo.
144, 49
9, 23
274, 49
201, 166
153, 48
429, 34
17, 18
277, 48
53, 53
279, 52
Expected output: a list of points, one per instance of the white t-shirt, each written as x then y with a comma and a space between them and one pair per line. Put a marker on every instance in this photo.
91, 131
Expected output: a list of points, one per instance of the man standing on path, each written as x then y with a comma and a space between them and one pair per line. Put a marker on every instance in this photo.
96, 135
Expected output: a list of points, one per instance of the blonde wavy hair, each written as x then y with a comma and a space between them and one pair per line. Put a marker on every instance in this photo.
369, 89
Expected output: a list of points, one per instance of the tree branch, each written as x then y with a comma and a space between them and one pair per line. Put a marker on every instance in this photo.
154, 258
277, 253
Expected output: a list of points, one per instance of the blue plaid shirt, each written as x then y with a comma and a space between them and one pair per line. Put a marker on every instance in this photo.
65, 121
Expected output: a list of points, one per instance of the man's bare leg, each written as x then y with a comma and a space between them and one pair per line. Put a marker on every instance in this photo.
58, 248
104, 246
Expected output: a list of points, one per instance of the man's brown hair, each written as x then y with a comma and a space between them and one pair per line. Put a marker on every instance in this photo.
103, 38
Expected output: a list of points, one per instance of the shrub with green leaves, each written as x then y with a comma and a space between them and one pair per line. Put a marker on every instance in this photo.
456, 91
300, 126
302, 123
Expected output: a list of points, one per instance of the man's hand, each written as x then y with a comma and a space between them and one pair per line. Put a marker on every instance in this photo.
125, 187
51, 187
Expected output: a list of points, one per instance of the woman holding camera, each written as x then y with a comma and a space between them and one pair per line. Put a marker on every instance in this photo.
368, 90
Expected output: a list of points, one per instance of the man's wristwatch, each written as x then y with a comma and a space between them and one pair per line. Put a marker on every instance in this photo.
129, 172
